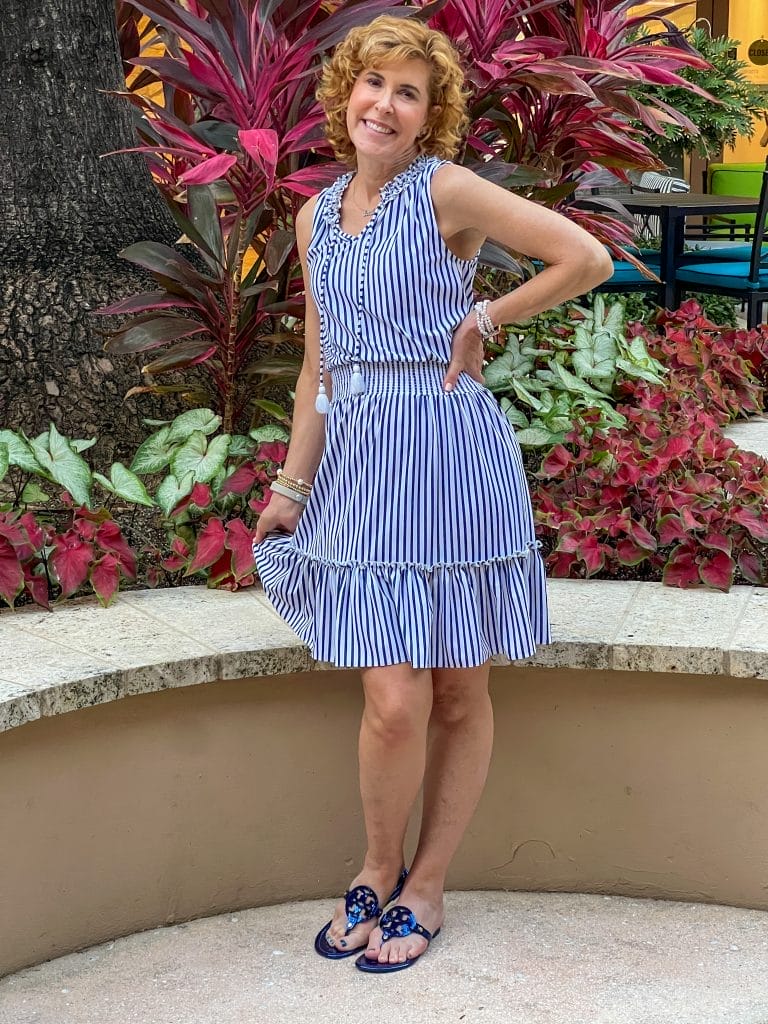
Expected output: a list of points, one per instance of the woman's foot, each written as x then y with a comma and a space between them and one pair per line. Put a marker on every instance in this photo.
427, 906
382, 881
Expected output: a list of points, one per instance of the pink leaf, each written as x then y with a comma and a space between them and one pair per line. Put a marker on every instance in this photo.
757, 525
209, 170
241, 481
261, 144
11, 573
105, 578
239, 541
201, 496
210, 546
110, 538
717, 570
681, 570
71, 561
557, 461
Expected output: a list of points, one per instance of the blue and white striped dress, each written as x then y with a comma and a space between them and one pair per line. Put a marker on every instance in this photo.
417, 544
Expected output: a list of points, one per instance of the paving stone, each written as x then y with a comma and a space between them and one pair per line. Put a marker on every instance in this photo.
502, 958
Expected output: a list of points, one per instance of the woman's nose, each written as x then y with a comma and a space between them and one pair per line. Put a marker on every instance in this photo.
384, 102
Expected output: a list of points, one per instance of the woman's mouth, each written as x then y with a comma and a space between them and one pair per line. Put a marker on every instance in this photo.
379, 129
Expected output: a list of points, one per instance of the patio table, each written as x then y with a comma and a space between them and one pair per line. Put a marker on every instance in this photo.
673, 209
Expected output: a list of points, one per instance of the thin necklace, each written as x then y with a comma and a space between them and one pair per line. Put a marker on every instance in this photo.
365, 213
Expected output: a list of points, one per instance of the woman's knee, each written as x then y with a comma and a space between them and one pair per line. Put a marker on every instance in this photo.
459, 694
397, 703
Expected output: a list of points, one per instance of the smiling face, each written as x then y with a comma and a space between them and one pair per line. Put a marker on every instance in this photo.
388, 108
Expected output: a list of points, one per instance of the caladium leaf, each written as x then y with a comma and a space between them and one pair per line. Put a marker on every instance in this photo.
200, 458
239, 540
155, 453
210, 546
20, 451
70, 561
64, 466
171, 491
105, 578
204, 420
5, 459
11, 572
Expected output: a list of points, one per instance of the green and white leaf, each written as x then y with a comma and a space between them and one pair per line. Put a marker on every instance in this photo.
155, 453
200, 458
269, 432
83, 444
535, 437
5, 459
204, 421
20, 452
171, 491
66, 467
33, 494
127, 485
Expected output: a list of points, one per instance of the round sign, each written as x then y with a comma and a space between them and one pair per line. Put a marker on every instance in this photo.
758, 51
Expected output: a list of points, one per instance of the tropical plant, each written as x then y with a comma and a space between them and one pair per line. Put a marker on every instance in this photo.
237, 144
560, 366
667, 491
194, 515
739, 101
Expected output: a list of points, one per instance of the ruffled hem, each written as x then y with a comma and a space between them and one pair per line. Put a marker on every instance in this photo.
445, 616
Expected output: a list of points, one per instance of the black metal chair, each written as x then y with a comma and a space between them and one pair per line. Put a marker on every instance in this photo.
716, 273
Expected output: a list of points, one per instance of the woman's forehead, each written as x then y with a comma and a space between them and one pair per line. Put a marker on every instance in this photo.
414, 71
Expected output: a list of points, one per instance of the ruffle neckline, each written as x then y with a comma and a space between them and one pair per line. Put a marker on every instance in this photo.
388, 192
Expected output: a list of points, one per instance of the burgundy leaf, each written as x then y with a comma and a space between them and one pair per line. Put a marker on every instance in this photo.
70, 561
11, 572
717, 570
239, 541
105, 578
210, 546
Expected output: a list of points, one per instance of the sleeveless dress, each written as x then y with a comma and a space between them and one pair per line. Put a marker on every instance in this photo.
417, 543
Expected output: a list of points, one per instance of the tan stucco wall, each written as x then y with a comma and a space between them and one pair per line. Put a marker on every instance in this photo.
188, 802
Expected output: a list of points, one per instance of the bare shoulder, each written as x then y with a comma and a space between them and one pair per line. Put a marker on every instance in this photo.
451, 180
304, 220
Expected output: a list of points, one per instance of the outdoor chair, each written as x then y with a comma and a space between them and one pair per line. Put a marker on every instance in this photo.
744, 279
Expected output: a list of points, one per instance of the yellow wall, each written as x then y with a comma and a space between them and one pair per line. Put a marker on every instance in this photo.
748, 21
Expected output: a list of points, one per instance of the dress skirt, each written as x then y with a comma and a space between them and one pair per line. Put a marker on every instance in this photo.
417, 544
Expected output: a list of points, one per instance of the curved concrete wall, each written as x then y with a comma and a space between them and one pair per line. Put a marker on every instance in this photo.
166, 806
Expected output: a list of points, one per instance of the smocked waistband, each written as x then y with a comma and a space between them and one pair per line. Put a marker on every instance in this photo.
398, 378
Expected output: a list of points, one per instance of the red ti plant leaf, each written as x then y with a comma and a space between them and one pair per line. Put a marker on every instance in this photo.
209, 170
11, 572
681, 570
239, 541
105, 578
717, 570
70, 561
210, 546
261, 144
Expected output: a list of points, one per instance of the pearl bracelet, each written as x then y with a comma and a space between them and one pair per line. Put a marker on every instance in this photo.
485, 325
302, 499
297, 485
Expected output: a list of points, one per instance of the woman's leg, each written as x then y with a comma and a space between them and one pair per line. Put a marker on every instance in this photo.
392, 750
459, 752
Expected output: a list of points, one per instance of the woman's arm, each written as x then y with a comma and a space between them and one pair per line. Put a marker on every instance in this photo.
308, 432
469, 210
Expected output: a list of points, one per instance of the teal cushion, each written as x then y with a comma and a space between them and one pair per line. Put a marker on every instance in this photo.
625, 273
725, 252
726, 275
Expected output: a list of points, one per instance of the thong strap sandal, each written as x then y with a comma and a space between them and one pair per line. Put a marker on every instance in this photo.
360, 904
396, 923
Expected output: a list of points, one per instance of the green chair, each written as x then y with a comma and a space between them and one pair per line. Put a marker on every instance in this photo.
733, 180
746, 280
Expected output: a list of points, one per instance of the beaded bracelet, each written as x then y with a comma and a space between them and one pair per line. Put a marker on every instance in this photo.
302, 499
485, 325
295, 484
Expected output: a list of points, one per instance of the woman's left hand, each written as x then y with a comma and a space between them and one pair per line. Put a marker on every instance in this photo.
467, 353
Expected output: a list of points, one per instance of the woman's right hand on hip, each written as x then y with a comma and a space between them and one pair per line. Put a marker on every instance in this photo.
280, 516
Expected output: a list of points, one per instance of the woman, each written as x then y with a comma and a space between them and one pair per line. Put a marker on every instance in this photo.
399, 537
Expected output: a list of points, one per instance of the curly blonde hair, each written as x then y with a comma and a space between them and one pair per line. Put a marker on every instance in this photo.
389, 40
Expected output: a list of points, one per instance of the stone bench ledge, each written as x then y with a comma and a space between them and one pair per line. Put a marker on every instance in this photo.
82, 654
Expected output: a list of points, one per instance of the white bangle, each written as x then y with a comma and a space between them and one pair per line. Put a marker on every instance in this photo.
302, 499
485, 325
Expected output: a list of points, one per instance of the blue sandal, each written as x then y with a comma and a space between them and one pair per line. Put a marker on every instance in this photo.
361, 904
396, 923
